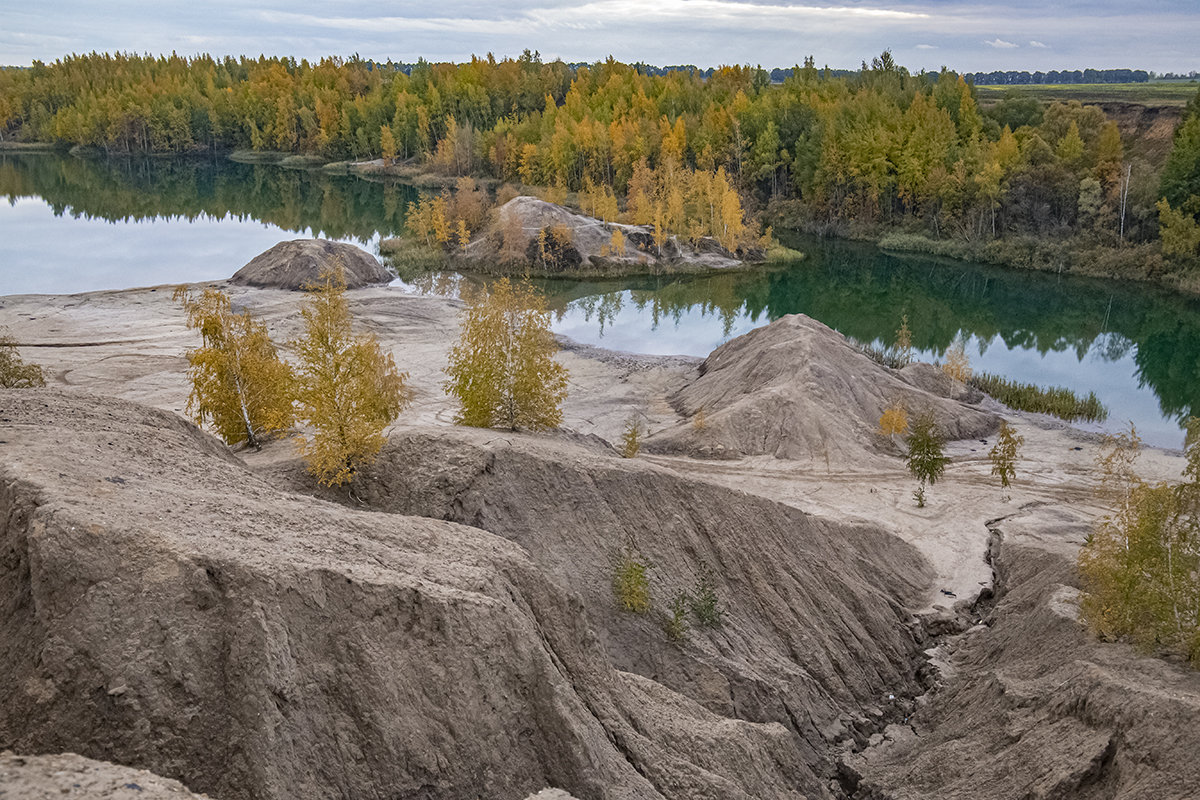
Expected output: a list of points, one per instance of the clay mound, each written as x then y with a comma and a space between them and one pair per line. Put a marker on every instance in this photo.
1035, 706
295, 264
797, 389
165, 608
816, 637
932, 379
513, 235
53, 777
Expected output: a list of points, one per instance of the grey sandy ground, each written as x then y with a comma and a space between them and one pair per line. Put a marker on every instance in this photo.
67, 775
131, 344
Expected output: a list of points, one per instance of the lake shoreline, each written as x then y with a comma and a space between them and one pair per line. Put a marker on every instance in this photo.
1140, 263
1136, 263
76, 224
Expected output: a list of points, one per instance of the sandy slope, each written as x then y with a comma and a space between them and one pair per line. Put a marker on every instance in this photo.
130, 344
70, 776
717, 722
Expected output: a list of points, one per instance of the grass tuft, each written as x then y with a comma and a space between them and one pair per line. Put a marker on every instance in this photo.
1057, 401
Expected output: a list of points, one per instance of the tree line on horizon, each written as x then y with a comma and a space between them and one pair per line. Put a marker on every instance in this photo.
1054, 76
881, 146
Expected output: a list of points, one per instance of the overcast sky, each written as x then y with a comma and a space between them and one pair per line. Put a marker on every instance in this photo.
1160, 35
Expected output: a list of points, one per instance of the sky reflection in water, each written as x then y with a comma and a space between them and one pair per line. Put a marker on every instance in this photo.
47, 254
73, 225
696, 332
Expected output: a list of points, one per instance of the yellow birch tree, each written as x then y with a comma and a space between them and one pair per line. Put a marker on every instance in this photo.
502, 370
958, 364
387, 145
349, 389
239, 385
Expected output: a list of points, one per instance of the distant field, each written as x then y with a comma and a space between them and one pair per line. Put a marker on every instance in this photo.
1149, 94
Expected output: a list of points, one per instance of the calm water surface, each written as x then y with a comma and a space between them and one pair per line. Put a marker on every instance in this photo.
1138, 350
75, 225
72, 225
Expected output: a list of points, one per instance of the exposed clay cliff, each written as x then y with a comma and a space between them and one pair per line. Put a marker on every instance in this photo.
167, 608
451, 631
1033, 705
817, 630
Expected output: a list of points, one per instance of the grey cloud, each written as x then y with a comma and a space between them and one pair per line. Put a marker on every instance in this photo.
1159, 34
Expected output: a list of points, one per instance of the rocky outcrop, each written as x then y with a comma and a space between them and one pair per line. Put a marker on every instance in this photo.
66, 775
797, 389
294, 265
549, 239
164, 607
1035, 706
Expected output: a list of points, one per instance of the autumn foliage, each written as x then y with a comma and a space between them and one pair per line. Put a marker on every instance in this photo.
1141, 566
1004, 453
239, 384
448, 219
349, 390
14, 372
502, 370
893, 421
878, 145
958, 364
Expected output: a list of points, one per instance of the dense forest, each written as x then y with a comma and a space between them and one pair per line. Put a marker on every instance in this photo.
869, 152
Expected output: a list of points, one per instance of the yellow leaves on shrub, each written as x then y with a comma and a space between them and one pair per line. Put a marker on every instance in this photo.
556, 194
502, 370
468, 204
562, 235
616, 244
428, 220
387, 145
1141, 565
692, 203
15, 373
349, 389
958, 365
631, 439
894, 421
513, 239
239, 385
599, 201
1178, 230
